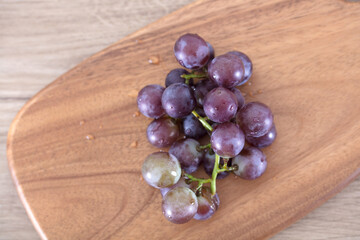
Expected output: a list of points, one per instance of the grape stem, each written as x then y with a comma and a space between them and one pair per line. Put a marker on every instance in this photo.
193, 75
214, 174
217, 168
228, 169
203, 121
199, 180
205, 146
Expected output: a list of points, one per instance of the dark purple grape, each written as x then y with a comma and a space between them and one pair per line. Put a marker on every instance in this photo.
247, 65
161, 170
263, 141
149, 101
180, 183
251, 163
193, 128
178, 100
208, 163
191, 51
201, 89
186, 151
239, 96
174, 76
162, 132
207, 204
227, 140
255, 119
212, 51
220, 105
226, 70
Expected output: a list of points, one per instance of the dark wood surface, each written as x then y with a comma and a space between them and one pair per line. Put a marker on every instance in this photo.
70, 148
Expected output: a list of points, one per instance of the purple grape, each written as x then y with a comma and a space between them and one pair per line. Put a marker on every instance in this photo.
251, 163
255, 119
179, 205
239, 96
207, 204
208, 163
227, 140
161, 170
247, 65
191, 51
220, 105
212, 51
193, 128
180, 183
201, 89
178, 100
174, 76
186, 151
226, 70
149, 101
162, 132
263, 141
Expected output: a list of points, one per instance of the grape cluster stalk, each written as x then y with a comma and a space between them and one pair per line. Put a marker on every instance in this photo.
203, 101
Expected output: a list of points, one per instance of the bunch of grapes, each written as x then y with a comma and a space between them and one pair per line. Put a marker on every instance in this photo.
203, 103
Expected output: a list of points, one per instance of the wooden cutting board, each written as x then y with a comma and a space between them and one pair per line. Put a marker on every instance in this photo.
75, 149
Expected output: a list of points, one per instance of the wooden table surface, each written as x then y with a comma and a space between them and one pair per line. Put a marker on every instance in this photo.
39, 40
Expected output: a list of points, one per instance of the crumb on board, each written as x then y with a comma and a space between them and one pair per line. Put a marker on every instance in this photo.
134, 144
250, 94
90, 137
260, 91
138, 41
82, 122
101, 126
154, 60
136, 114
141, 178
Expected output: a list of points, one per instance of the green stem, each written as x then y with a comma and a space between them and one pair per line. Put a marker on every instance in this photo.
198, 187
228, 169
203, 121
205, 146
214, 174
193, 75
199, 180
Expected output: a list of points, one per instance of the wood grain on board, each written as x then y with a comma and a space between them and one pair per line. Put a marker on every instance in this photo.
70, 148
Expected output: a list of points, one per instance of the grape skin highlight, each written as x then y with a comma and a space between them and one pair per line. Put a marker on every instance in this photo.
149, 101
186, 151
251, 163
179, 205
162, 132
226, 70
178, 100
220, 105
255, 119
191, 51
161, 169
227, 140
